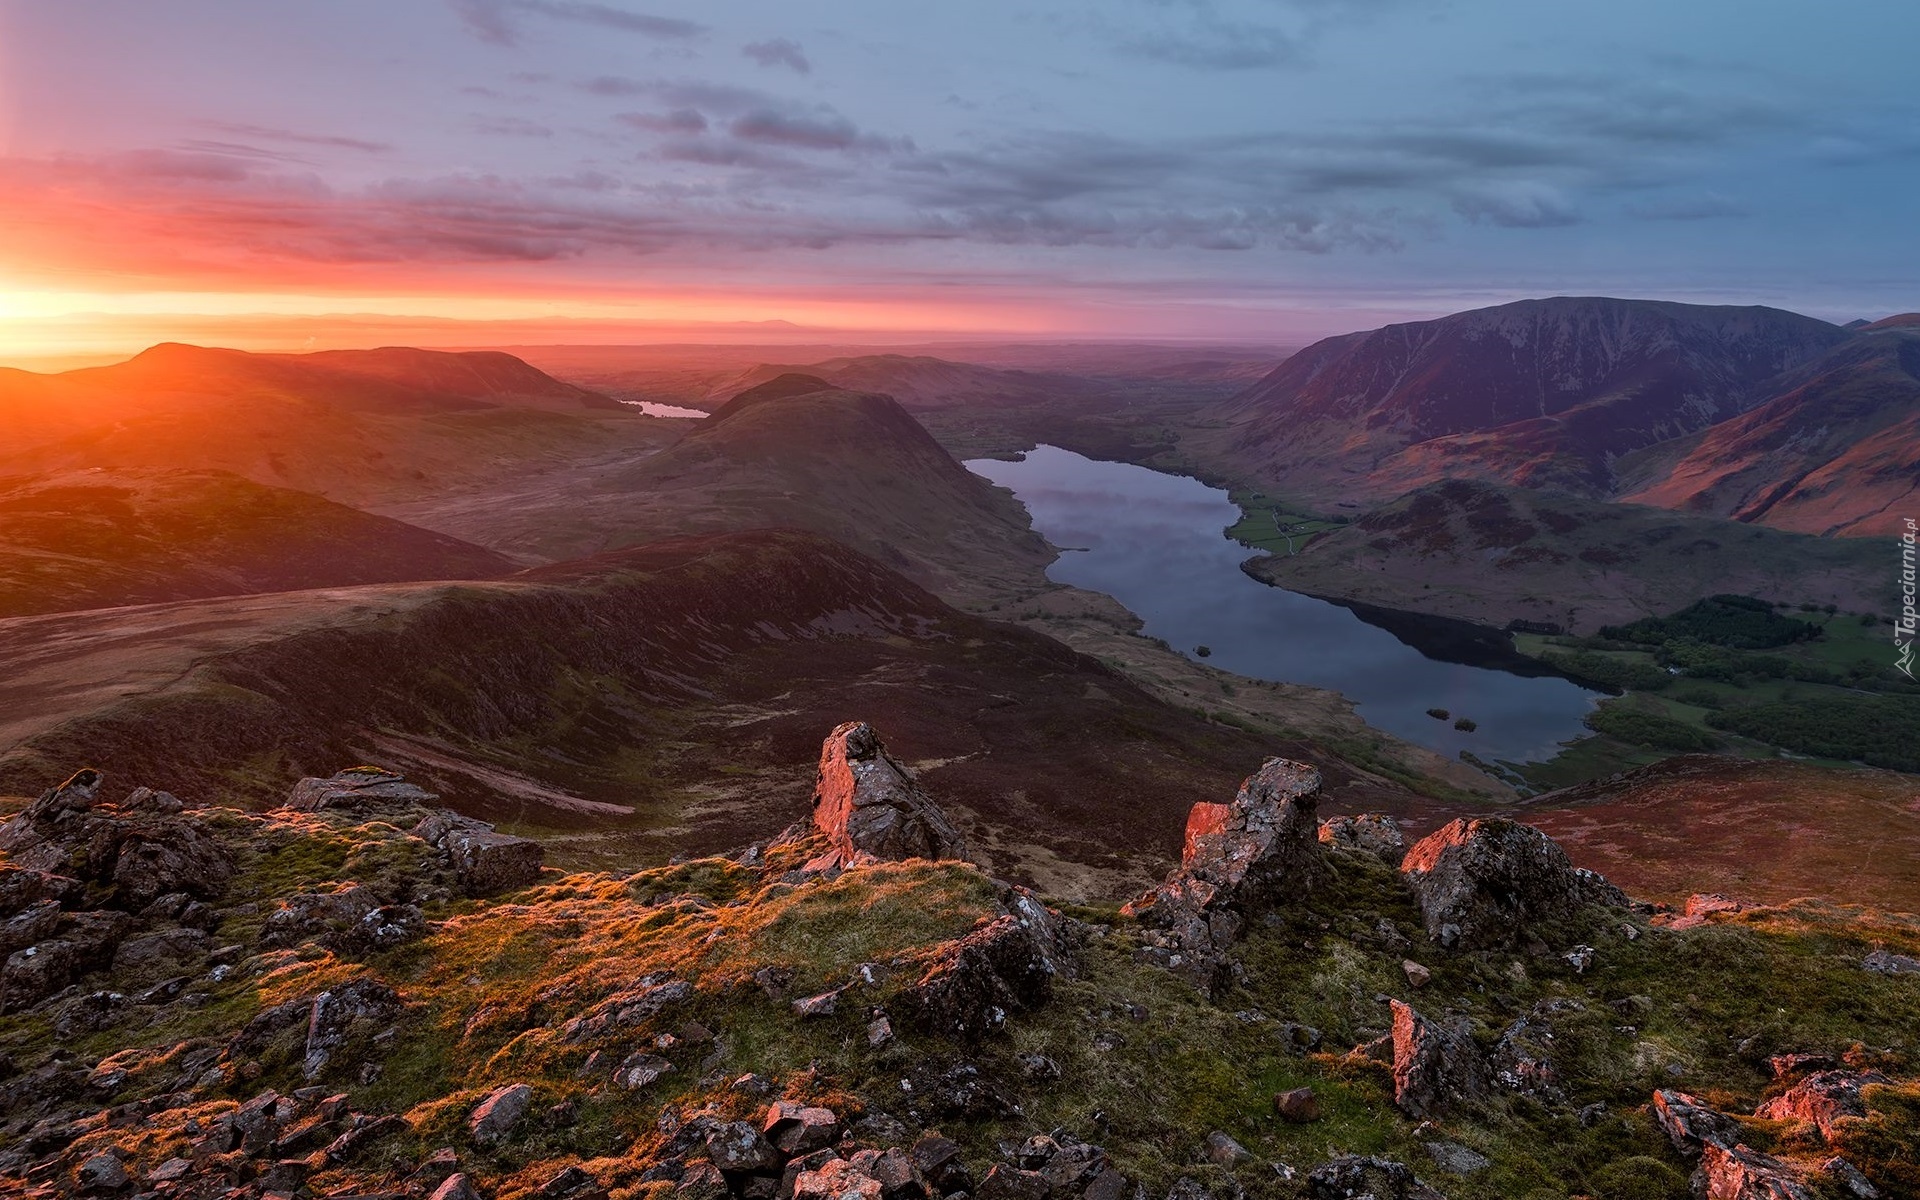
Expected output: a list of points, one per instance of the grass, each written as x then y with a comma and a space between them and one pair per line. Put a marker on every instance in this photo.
1266, 522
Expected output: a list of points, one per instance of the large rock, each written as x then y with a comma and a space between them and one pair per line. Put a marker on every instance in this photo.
485, 862
1822, 1099
142, 852
1492, 882
1239, 859
336, 1011
1369, 833
496, 1117
1352, 1176
1739, 1172
1003, 967
869, 808
358, 788
1435, 1069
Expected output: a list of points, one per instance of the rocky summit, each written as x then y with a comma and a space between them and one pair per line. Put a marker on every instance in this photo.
358, 992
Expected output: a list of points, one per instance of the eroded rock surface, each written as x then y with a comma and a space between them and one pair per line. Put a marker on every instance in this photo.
1493, 882
1436, 1069
869, 807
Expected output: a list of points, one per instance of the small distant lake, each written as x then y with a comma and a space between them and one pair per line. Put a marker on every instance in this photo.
652, 409
1157, 544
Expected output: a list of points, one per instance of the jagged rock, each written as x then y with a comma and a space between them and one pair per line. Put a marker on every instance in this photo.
1434, 1068
639, 1070
334, 1012
152, 856
171, 948
496, 1117
1417, 975
940, 1163
1702, 907
1239, 859
1003, 1182
651, 995
358, 788
868, 806
868, 1175
797, 1129
1787, 1066
1690, 1125
1822, 1099
89, 1014
1224, 1151
1370, 833
22, 888
1739, 1172
35, 923
570, 1181
1491, 882
975, 981
57, 808
1885, 962
1299, 1106
1848, 1178
1352, 1176
102, 1173
1523, 1057
33, 974
456, 1187
957, 1092
737, 1146
488, 863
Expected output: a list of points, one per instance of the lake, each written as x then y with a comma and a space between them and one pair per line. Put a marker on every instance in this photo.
1157, 543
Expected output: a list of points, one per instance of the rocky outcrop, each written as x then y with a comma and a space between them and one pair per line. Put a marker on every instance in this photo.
1821, 1099
142, 851
1369, 833
869, 808
1435, 1068
1354, 1176
1728, 1169
1491, 882
357, 789
484, 861
1007, 965
1240, 859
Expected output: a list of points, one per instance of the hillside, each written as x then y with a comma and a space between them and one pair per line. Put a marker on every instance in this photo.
97, 538
598, 696
1539, 393
361, 427
792, 452
923, 381
1492, 555
357, 992
1835, 451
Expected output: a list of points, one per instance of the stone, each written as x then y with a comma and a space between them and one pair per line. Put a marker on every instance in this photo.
1848, 1179
1434, 1068
101, 1173
1417, 975
640, 1070
939, 1161
334, 1013
1224, 1151
569, 1181
153, 856
1885, 962
357, 789
1522, 1059
797, 1129
974, 982
823, 1005
879, 1032
172, 948
33, 974
1351, 1176
1690, 1125
869, 808
1492, 882
456, 1186
1003, 1182
1298, 1106
22, 888
736, 1146
1368, 833
494, 1120
1238, 861
1455, 1159
488, 863
1701, 907
1739, 1172
1821, 1099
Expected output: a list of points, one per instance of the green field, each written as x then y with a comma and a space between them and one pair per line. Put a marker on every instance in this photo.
1274, 525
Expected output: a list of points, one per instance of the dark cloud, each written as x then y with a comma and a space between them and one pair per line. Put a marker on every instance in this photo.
493, 20
680, 121
1518, 205
778, 52
822, 131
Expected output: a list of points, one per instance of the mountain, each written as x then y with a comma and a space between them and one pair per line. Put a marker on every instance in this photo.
1836, 450
601, 696
97, 538
359, 427
922, 381
1492, 554
1539, 393
792, 452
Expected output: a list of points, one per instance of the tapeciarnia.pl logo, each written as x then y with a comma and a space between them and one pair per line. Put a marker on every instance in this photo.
1903, 626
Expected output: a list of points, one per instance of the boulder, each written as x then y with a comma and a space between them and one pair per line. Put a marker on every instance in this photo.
1435, 1068
456, 1187
172, 949
357, 789
1523, 1057
739, 1148
334, 1012
1690, 1125
976, 981
1739, 1172
869, 808
797, 1129
1491, 882
1351, 1176
1885, 962
155, 855
1238, 860
22, 888
1821, 1099
1298, 1106
496, 1117
1368, 833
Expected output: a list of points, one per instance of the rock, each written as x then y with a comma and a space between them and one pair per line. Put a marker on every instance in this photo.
736, 1146
1848, 1179
1223, 1151
102, 1173
334, 1013
939, 1162
153, 856
89, 1014
797, 1129
1298, 1106
33, 974
1369, 833
1434, 1068
456, 1186
1238, 860
170, 948
650, 995
1822, 1099
975, 981
22, 888
1523, 1057
1455, 1159
1702, 907
1003, 1182
494, 1120
879, 1032
1417, 975
868, 1175
1491, 882
1690, 1125
1352, 1176
1788, 1066
823, 1005
869, 808
357, 789
569, 1181
1883, 962
1739, 1172
488, 863
640, 1070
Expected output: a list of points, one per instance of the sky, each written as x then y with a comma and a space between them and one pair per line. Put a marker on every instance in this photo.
249, 171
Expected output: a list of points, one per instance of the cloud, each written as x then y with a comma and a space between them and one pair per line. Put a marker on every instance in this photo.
778, 52
493, 21
273, 134
1219, 46
680, 121
509, 127
820, 131
1708, 206
1517, 205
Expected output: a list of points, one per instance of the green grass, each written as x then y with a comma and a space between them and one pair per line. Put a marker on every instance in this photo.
1266, 521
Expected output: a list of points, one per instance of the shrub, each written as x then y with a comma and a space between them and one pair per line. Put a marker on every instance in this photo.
1643, 728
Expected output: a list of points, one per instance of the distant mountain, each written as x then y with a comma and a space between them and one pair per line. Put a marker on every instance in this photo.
921, 381
1540, 393
363, 427
1835, 451
98, 538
